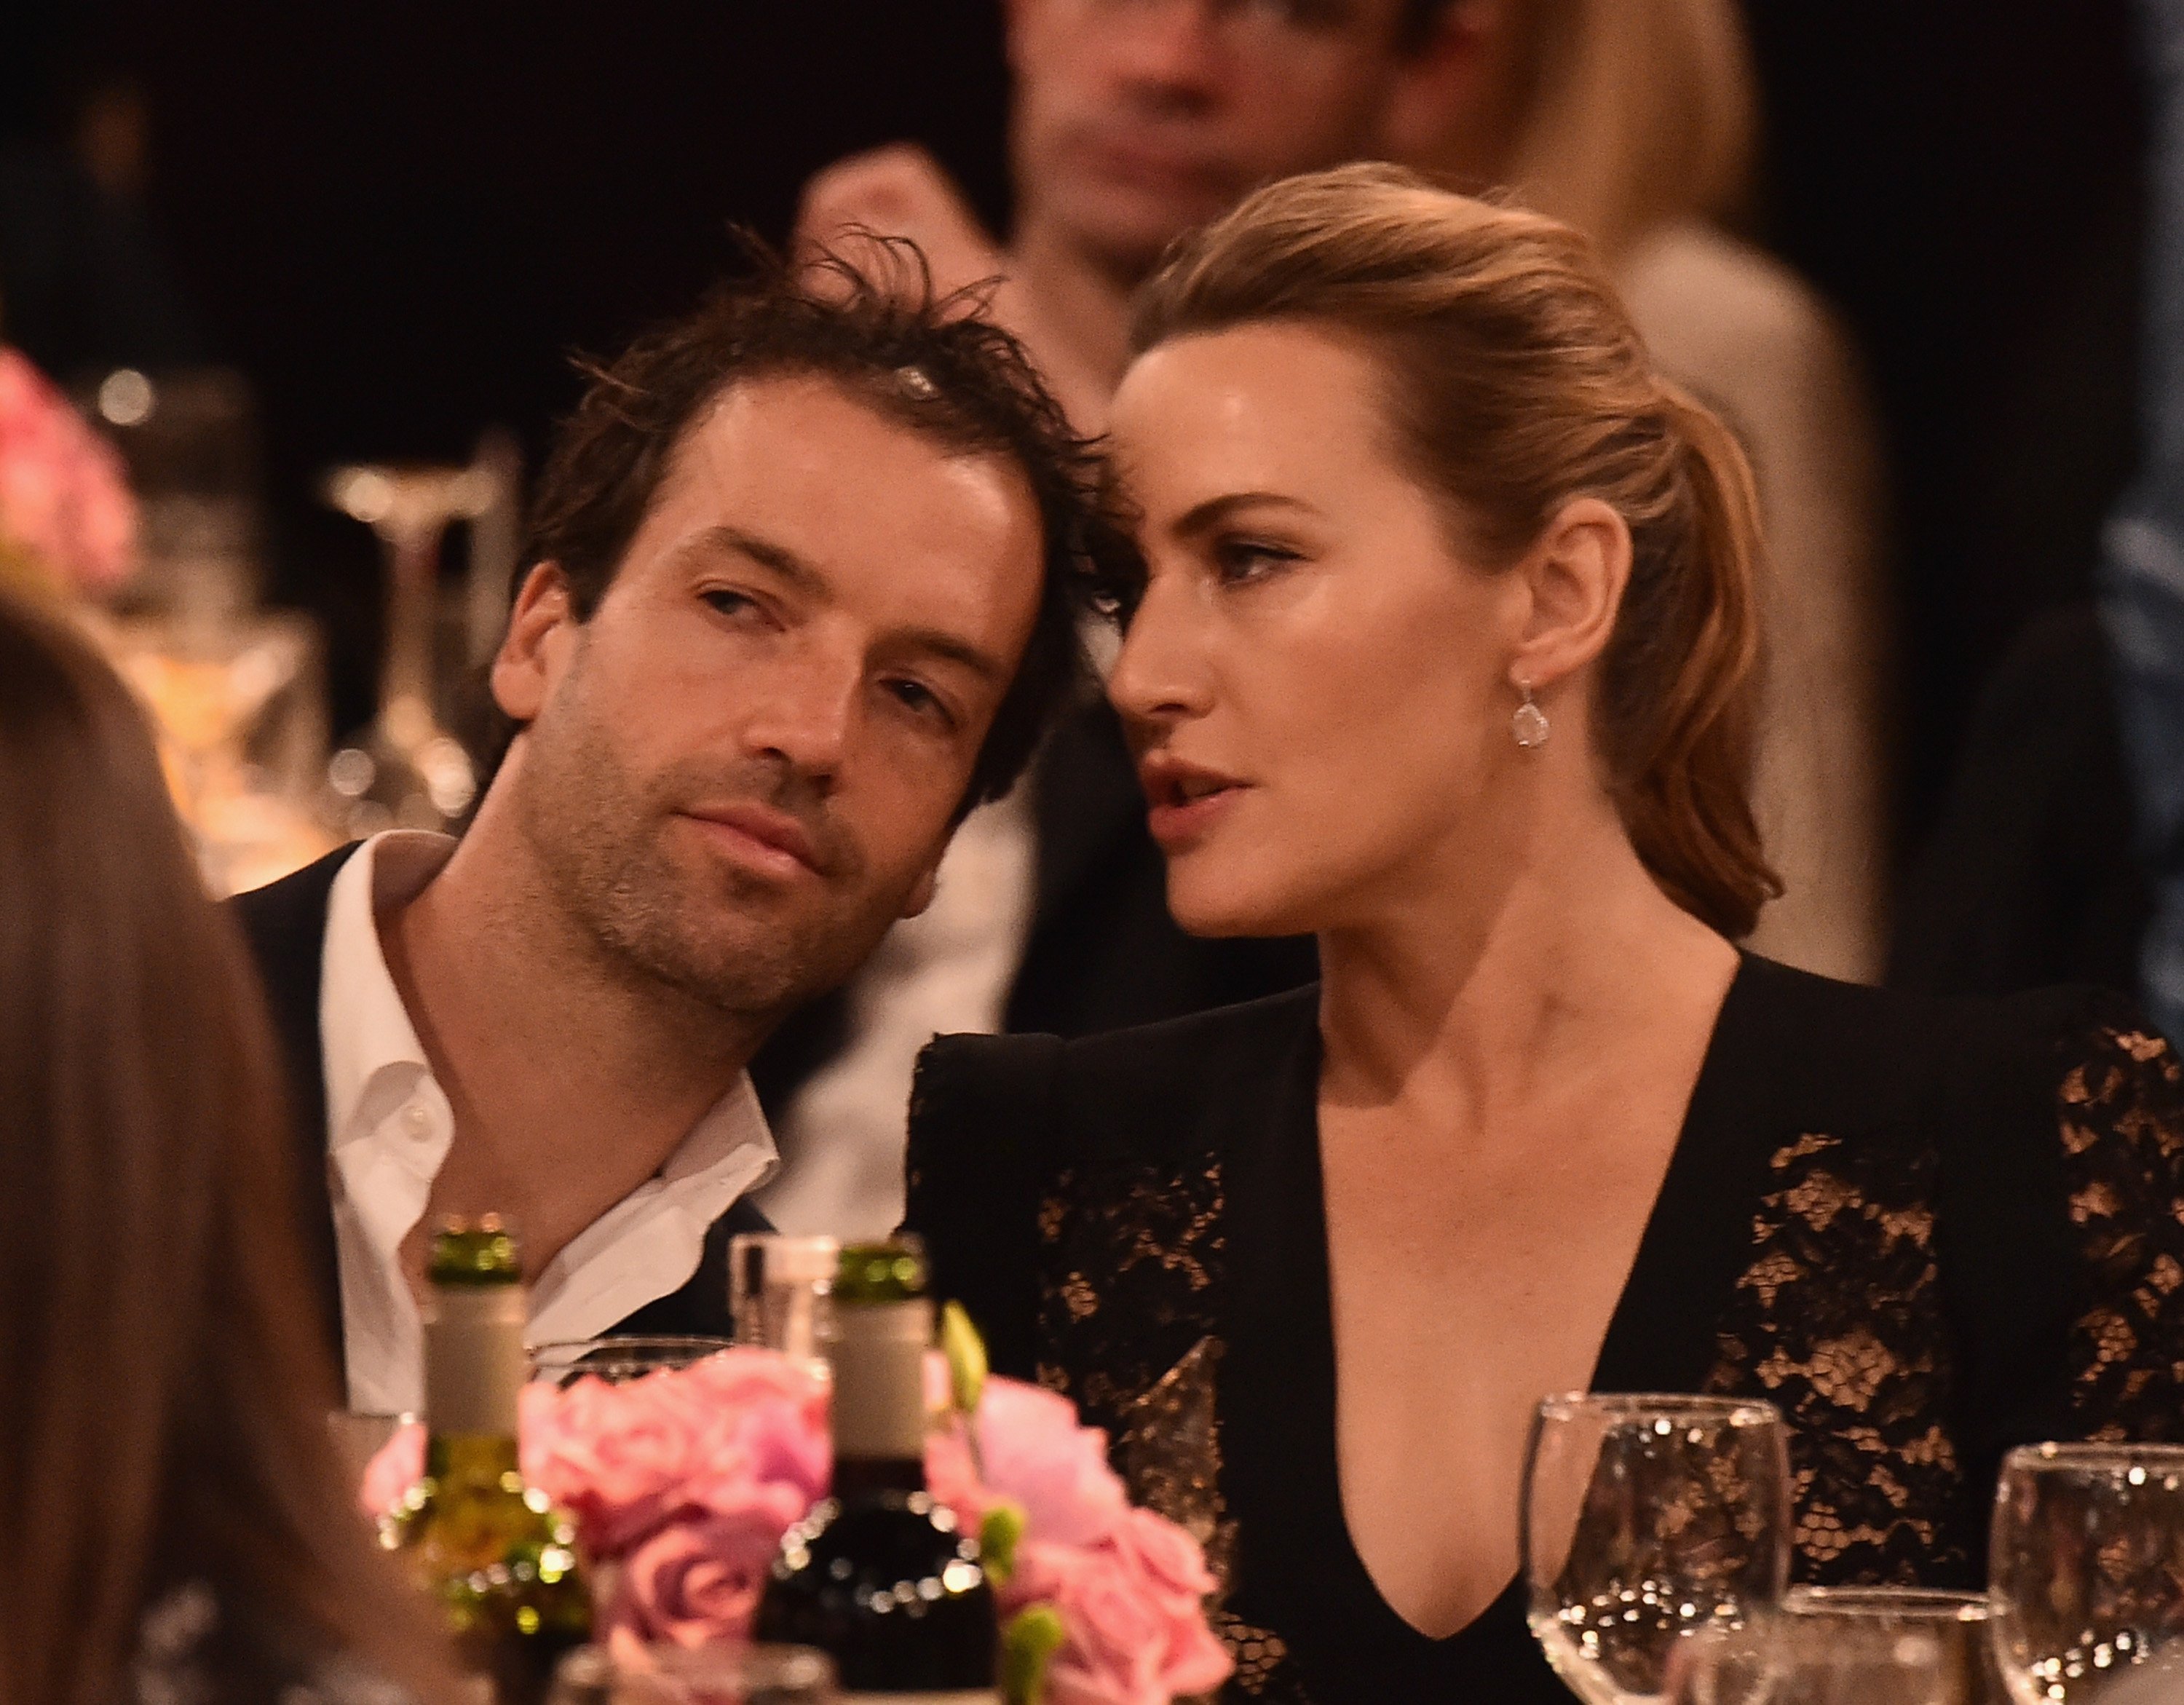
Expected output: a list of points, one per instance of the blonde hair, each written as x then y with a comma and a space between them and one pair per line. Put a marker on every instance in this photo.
1636, 114
1516, 383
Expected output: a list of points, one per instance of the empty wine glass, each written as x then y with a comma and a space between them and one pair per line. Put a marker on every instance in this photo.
781, 1291
1832, 1658
1645, 1519
2088, 1574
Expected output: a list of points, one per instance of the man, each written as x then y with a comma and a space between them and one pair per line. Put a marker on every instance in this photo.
797, 597
1132, 121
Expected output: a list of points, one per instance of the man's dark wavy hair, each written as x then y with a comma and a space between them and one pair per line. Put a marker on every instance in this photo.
876, 327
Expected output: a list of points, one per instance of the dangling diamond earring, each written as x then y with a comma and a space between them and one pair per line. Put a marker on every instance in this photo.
1529, 725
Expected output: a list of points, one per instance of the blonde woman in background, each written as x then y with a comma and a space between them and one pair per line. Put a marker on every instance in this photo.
1635, 121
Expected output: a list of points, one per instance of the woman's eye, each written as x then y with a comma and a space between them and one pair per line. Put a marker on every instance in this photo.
1239, 559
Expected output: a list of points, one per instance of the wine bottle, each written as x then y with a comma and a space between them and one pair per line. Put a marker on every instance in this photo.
879, 1575
501, 1561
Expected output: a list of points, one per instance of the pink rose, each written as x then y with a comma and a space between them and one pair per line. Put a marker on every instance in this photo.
696, 1581
1037, 1455
1116, 1637
63, 496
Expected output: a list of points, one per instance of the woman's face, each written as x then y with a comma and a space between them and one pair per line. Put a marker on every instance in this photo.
1316, 684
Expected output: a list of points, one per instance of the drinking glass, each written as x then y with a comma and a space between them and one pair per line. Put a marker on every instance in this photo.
2087, 1568
1647, 1518
781, 1291
1791, 1659
1957, 1623
701, 1675
618, 1360
410, 772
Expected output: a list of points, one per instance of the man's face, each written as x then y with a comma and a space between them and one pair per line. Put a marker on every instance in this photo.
1136, 120
744, 766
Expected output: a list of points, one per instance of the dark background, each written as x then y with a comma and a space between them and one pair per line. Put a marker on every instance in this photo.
399, 219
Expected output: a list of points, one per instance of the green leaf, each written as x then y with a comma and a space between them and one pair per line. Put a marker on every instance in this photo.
966, 1358
998, 1534
1028, 1643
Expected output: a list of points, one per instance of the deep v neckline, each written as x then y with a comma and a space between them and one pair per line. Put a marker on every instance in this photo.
1297, 1560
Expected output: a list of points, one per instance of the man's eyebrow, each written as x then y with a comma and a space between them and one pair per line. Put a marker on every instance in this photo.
735, 541
1201, 518
933, 642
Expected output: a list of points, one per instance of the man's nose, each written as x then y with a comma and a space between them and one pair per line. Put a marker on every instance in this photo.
1174, 47
1162, 675
806, 714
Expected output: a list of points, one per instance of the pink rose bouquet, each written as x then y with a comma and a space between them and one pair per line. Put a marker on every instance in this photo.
65, 509
681, 1483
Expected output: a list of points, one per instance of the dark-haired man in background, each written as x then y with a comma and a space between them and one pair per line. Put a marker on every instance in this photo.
1131, 122
796, 598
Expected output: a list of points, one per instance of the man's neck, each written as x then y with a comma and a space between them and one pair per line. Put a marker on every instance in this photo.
571, 1079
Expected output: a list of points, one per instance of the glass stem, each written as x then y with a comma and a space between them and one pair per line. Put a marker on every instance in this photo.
406, 721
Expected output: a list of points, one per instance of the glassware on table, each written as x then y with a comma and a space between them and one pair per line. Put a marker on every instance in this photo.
2087, 1571
1645, 1519
1785, 1658
408, 771
1957, 1623
699, 1675
619, 1360
781, 1291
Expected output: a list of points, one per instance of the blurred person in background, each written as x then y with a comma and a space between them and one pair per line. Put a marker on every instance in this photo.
1635, 120
1136, 121
181, 1528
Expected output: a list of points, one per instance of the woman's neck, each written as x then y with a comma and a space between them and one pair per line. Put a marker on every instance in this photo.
1479, 989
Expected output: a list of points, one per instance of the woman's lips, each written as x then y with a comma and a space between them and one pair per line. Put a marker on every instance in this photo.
1176, 823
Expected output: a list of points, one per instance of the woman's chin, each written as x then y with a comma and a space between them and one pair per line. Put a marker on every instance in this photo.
1227, 913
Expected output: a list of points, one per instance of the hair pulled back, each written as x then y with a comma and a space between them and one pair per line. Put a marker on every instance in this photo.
1515, 382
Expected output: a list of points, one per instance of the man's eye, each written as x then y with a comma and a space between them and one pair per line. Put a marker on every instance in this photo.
921, 700
728, 601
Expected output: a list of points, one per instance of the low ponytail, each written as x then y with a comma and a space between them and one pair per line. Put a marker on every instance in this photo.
1516, 383
1677, 713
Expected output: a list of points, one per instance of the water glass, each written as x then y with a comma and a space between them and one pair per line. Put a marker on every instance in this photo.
1645, 1519
1788, 1659
618, 1360
2088, 1574
781, 1291
703, 1675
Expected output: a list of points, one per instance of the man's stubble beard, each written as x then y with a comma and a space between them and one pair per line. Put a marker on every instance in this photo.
708, 934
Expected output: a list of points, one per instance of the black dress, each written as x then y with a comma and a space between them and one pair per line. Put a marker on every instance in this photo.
1926, 1230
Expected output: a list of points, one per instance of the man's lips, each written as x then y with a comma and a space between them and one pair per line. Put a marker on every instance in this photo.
760, 836
1184, 800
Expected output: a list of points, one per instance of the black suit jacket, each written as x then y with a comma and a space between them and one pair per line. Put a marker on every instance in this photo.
286, 925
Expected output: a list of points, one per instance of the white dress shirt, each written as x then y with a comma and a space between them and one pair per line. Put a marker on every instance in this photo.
388, 1127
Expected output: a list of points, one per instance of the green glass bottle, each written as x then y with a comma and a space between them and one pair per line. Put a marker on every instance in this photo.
877, 1575
499, 1559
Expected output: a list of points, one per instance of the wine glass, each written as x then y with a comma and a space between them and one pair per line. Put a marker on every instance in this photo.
410, 772
699, 1675
618, 1360
1957, 1624
1787, 1658
2087, 1568
1645, 1518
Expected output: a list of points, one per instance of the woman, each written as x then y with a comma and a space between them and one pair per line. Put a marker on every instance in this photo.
1445, 653
178, 1527
1632, 120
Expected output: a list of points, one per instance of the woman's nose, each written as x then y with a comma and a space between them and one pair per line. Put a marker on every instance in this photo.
1160, 674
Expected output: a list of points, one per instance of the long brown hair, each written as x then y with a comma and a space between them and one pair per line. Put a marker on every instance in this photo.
163, 1411
1515, 382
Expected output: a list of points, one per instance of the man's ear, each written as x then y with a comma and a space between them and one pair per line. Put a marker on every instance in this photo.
1445, 106
533, 651
1573, 577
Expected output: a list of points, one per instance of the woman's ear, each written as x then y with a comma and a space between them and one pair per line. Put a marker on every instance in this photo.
531, 652
1574, 574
